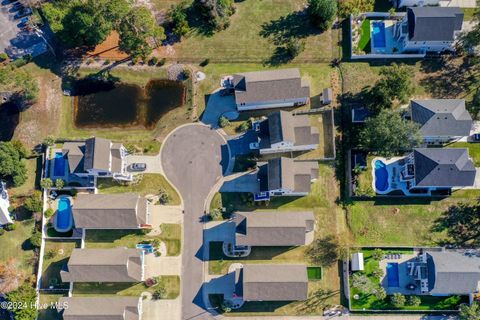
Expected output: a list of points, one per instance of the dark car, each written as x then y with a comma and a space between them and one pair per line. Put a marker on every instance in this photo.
23, 13
23, 22
17, 6
5, 2
138, 166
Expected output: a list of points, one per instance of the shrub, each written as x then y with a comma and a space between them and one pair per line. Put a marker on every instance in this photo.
153, 61
50, 254
363, 283
223, 122
378, 273
414, 301
11, 209
59, 183
36, 239
205, 62
294, 47
245, 126
163, 197
216, 214
162, 61
159, 293
377, 254
49, 212
380, 293
34, 203
46, 183
3, 56
397, 300
19, 62
11, 227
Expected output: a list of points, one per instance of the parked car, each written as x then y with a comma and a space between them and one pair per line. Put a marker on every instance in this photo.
23, 13
17, 6
6, 2
138, 166
23, 22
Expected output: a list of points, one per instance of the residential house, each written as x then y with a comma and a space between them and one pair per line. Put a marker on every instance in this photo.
422, 3
282, 132
4, 205
96, 308
270, 89
105, 265
97, 157
285, 177
111, 211
428, 29
272, 282
273, 228
436, 168
441, 120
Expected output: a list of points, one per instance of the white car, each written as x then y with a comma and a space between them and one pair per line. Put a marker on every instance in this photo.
254, 146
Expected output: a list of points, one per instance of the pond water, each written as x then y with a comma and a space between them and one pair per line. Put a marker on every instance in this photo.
108, 104
9, 119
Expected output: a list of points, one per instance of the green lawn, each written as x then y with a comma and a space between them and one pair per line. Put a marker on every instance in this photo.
314, 273
49, 300
56, 256
150, 183
469, 13
365, 180
365, 37
473, 150
171, 235
15, 245
258, 23
171, 284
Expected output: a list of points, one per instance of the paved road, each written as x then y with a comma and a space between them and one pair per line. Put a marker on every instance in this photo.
192, 160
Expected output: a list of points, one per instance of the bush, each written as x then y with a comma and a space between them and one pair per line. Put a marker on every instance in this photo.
50, 254
59, 184
11, 227
159, 293
380, 293
204, 63
378, 273
223, 122
36, 239
246, 125
34, 203
46, 183
153, 61
11, 209
19, 62
363, 283
163, 197
414, 301
49, 141
294, 47
377, 254
162, 61
216, 214
397, 300
3, 56
49, 213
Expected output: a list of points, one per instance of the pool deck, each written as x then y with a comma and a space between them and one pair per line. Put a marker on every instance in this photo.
403, 277
390, 41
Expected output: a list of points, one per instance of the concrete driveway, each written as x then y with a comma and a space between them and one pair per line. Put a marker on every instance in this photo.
193, 160
154, 164
161, 309
216, 106
162, 266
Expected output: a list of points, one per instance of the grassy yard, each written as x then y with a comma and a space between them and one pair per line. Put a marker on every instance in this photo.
326, 148
259, 23
171, 235
49, 313
150, 183
171, 284
364, 45
56, 256
370, 302
365, 180
15, 245
473, 150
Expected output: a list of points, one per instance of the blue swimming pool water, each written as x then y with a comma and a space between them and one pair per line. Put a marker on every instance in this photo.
59, 165
64, 213
381, 176
392, 275
378, 34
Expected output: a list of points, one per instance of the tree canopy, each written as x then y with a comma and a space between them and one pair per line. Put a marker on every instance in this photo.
11, 164
325, 251
322, 12
20, 83
178, 20
388, 133
24, 296
469, 312
216, 12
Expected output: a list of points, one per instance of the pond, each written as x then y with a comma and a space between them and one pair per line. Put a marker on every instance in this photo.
9, 119
105, 104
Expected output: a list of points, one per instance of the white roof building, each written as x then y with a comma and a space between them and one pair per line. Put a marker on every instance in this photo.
4, 204
357, 261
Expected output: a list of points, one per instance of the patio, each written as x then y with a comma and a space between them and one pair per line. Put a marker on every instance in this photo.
391, 43
403, 274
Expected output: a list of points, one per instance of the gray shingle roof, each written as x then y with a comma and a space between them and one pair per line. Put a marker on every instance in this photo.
434, 23
272, 228
283, 126
97, 154
75, 152
447, 167
104, 265
442, 117
274, 282
271, 85
99, 308
453, 272
284, 173
109, 211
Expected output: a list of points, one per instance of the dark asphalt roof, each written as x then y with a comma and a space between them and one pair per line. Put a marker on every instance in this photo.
261, 86
284, 173
274, 282
452, 272
434, 23
443, 167
100, 308
442, 117
75, 152
272, 228
97, 154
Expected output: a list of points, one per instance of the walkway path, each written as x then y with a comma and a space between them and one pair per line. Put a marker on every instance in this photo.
192, 160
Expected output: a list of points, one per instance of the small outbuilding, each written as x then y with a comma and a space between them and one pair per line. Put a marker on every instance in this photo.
357, 261
327, 96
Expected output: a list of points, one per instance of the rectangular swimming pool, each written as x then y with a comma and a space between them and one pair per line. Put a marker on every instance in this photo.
392, 275
59, 165
378, 34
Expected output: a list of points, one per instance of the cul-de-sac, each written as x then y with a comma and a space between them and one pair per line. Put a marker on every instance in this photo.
262, 159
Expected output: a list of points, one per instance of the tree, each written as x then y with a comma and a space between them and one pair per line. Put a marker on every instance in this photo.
10, 276
34, 203
49, 141
377, 254
355, 7
46, 183
461, 223
397, 80
49, 213
325, 251
388, 134
163, 196
36, 239
413, 301
397, 300
11, 165
216, 12
363, 283
293, 47
178, 20
59, 183
380, 293
322, 12
139, 33
24, 296
471, 312
378, 273
474, 106
223, 121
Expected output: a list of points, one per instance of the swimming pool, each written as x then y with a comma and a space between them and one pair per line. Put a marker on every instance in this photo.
63, 221
59, 165
392, 275
381, 176
378, 34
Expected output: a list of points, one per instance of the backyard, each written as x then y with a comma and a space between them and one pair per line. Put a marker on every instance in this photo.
147, 184
55, 258
50, 313
170, 235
